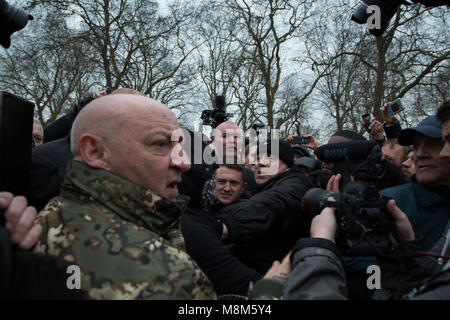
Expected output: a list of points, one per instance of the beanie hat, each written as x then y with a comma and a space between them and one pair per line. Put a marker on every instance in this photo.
285, 151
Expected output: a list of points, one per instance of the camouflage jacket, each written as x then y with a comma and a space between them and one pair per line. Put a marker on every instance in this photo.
124, 238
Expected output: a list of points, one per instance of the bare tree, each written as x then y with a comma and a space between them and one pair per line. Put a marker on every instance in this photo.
265, 28
367, 71
133, 44
45, 66
219, 56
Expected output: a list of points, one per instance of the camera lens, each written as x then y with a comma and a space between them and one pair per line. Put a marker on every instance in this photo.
314, 200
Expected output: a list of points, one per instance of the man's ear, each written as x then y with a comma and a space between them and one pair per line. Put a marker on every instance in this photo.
93, 151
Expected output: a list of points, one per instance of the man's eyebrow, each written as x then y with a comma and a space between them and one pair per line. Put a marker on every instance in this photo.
165, 134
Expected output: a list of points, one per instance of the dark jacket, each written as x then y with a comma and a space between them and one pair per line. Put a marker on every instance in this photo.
266, 226
48, 166
427, 210
317, 272
192, 183
202, 234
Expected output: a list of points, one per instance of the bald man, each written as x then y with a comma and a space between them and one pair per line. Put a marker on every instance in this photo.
227, 139
118, 212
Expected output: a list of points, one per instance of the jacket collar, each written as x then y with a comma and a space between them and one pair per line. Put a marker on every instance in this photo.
125, 198
424, 195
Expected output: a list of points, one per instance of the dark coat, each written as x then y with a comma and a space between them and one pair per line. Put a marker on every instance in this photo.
48, 166
266, 226
202, 235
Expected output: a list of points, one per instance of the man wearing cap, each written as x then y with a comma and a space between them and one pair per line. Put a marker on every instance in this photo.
425, 199
265, 227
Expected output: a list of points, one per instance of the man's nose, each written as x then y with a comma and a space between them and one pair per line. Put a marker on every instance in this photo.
227, 186
421, 152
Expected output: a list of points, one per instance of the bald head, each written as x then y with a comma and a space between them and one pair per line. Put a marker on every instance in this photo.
227, 125
227, 139
106, 116
131, 136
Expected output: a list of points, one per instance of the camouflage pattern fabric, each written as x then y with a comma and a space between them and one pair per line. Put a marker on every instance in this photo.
125, 238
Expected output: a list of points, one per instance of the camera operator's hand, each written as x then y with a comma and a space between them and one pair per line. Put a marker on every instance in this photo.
402, 223
289, 139
333, 183
20, 219
324, 225
390, 121
280, 271
312, 142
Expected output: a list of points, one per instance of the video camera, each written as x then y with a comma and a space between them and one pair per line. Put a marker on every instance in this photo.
216, 116
361, 214
259, 128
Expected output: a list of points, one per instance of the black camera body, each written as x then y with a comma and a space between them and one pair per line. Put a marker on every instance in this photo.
366, 119
300, 140
362, 218
216, 116
394, 108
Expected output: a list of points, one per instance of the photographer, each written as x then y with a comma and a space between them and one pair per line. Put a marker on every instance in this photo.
387, 174
391, 150
317, 269
425, 198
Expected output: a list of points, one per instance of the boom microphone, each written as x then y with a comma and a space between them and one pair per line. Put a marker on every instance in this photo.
340, 152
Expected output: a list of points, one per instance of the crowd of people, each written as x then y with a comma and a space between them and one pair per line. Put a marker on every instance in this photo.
108, 195
118, 208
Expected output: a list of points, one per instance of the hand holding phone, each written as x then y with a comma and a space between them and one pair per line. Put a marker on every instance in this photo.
394, 107
300, 140
366, 119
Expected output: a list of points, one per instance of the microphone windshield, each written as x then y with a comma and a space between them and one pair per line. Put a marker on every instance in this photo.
339, 152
